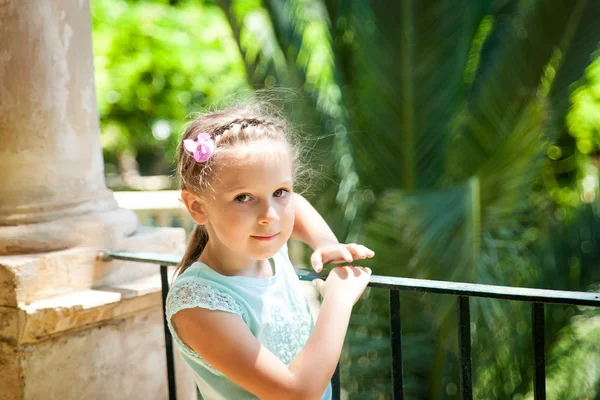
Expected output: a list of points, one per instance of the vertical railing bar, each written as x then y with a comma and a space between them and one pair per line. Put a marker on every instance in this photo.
539, 359
168, 339
464, 347
396, 339
336, 384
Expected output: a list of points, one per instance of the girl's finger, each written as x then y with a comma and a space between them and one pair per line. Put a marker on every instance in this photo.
339, 255
319, 284
316, 260
357, 250
370, 253
346, 254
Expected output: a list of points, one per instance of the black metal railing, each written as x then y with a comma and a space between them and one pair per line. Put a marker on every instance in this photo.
463, 292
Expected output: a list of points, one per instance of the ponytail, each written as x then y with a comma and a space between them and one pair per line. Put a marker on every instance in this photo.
197, 242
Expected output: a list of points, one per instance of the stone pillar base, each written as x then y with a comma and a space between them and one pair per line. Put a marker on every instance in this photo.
74, 327
103, 228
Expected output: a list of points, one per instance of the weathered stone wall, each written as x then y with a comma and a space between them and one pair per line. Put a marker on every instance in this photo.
71, 326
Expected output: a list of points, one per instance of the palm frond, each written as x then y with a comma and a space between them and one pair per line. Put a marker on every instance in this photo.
437, 117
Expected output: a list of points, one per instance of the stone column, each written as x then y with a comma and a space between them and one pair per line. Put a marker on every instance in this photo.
71, 326
52, 171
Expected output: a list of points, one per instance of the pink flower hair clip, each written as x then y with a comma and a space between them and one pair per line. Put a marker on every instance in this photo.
202, 148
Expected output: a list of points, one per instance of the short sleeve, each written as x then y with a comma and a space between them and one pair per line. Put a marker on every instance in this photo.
192, 293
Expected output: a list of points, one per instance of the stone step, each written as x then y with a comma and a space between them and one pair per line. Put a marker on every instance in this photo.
48, 318
26, 279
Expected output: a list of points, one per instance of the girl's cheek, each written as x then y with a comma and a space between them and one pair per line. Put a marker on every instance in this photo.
241, 211
290, 212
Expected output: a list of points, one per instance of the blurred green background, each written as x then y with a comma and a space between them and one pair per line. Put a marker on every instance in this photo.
459, 139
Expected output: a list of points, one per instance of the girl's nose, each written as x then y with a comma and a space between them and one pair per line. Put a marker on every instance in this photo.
268, 215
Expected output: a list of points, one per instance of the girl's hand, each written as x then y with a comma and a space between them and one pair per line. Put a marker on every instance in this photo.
338, 253
345, 284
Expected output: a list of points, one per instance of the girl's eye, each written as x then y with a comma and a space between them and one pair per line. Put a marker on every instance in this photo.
280, 193
243, 198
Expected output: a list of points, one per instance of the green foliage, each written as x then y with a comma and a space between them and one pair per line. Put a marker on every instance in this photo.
156, 63
584, 118
576, 349
440, 123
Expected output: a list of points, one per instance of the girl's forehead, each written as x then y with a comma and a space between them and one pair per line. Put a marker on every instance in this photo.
263, 163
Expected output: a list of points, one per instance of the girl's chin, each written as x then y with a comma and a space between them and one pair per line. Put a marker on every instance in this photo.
265, 250
264, 255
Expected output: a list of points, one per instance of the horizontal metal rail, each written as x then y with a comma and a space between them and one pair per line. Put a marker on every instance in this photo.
417, 285
463, 291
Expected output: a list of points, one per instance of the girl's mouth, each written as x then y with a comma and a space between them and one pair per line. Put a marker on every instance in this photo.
266, 237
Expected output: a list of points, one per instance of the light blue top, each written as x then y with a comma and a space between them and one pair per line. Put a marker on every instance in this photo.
274, 309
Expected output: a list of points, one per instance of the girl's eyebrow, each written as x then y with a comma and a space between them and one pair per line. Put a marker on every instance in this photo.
239, 188
236, 189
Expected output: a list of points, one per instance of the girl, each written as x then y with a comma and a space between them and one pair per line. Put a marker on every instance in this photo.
236, 309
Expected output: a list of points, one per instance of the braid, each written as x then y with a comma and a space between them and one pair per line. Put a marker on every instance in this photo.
246, 122
243, 129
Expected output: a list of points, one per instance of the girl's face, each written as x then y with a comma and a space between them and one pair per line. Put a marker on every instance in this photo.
250, 210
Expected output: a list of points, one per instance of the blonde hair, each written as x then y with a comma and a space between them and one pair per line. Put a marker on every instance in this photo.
229, 128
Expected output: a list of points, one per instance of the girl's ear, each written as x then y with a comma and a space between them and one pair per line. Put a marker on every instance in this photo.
195, 207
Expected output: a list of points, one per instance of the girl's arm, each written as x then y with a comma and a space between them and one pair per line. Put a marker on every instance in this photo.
224, 341
311, 228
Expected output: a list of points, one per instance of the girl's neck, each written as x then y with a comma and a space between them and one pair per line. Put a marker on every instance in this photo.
228, 263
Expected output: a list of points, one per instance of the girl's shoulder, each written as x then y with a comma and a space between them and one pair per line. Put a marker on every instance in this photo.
193, 290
